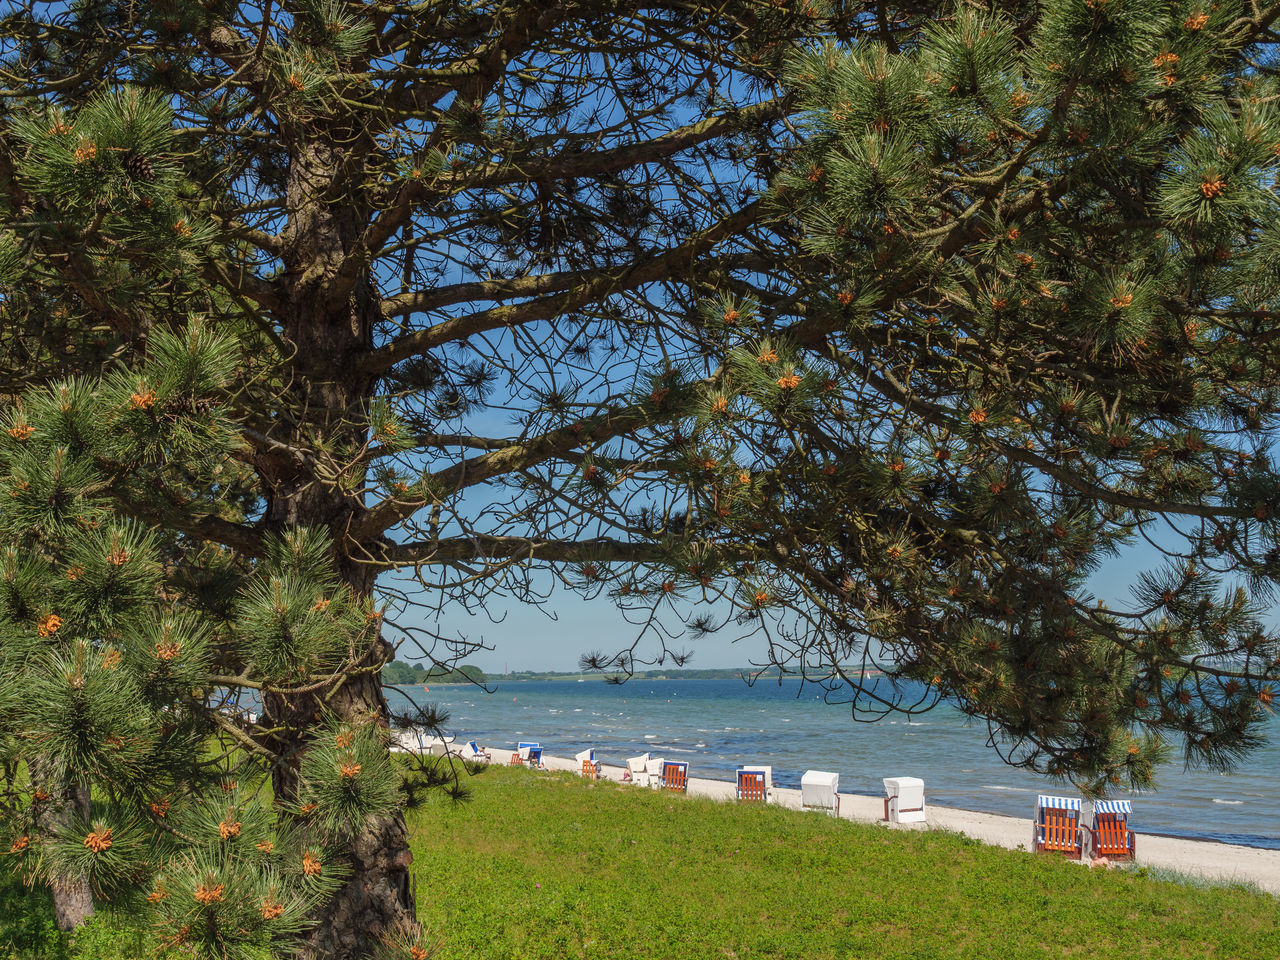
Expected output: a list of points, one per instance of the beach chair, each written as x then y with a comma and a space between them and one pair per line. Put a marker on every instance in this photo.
904, 800
819, 790
653, 769
590, 769
751, 785
471, 751
675, 775
1109, 835
767, 770
535, 757
636, 771
1056, 828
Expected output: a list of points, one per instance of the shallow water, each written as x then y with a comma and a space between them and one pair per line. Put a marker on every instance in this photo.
718, 725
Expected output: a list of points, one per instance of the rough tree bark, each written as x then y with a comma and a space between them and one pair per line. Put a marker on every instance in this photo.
64, 800
329, 321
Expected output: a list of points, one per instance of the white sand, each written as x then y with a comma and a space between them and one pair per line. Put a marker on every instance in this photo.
1218, 862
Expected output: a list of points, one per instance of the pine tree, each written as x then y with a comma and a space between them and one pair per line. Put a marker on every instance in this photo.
879, 325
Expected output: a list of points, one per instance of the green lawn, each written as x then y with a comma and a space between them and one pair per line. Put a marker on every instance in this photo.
549, 866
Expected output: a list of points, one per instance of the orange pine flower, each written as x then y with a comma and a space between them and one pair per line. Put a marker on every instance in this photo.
20, 844
815, 174
789, 382
1122, 301
1265, 696
767, 357
344, 739
168, 649
1026, 259
1196, 21
1014, 233
894, 553
228, 786
668, 586
321, 605
118, 557
266, 846
731, 317
978, 415
1162, 58
310, 865
721, 405
228, 830
295, 81
761, 598
308, 808
86, 151
48, 626
845, 298
158, 894
349, 771
160, 808
209, 894
417, 953
75, 572
1211, 188
142, 401
97, 842
183, 229
22, 431
659, 395
744, 477
111, 659
271, 909
897, 466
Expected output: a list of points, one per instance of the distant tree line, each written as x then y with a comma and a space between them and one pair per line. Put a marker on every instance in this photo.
398, 672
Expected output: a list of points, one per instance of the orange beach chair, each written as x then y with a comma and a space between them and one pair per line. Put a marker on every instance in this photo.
675, 775
751, 785
1056, 828
1109, 835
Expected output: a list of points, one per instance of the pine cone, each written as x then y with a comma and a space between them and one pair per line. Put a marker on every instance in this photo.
138, 167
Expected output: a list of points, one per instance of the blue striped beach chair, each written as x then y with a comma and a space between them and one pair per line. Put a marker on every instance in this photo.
1109, 834
1056, 828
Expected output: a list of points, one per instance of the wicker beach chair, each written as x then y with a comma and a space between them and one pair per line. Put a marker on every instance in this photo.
904, 800
637, 770
751, 785
471, 751
1056, 828
675, 775
1109, 834
590, 768
653, 770
820, 790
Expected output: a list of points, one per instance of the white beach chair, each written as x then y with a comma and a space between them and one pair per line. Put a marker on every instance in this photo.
587, 763
820, 790
637, 768
768, 781
653, 768
471, 751
904, 800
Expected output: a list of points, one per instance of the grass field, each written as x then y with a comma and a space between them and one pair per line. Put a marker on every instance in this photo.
548, 866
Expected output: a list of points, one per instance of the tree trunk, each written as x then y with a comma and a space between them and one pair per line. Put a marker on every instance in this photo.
330, 335
68, 800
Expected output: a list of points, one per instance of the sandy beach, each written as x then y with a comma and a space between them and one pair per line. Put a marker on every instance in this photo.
1217, 862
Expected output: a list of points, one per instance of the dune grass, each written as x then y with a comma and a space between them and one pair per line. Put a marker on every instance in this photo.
542, 865
550, 866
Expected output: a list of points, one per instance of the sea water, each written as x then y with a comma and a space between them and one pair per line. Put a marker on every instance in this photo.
718, 725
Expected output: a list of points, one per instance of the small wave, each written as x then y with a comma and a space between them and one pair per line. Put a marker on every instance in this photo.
651, 736
577, 709
1230, 803
703, 745
993, 786
785, 720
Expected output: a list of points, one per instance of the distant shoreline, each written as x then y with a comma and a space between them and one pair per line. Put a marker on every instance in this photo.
727, 673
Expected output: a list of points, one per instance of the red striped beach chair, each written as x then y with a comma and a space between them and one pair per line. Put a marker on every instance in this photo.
1109, 835
1056, 828
675, 775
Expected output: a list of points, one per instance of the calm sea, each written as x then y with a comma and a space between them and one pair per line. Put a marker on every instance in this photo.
718, 725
